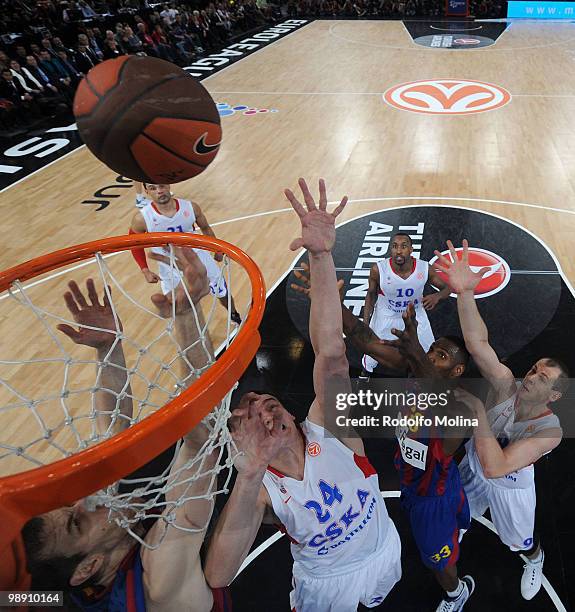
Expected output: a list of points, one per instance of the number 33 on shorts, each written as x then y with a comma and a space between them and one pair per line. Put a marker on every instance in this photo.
442, 554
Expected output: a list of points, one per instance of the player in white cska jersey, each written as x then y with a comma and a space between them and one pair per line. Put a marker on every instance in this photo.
518, 428
394, 283
161, 212
318, 487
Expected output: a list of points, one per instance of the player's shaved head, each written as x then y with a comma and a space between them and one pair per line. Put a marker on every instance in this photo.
457, 349
449, 356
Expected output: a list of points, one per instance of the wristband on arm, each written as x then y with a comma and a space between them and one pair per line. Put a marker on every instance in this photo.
139, 255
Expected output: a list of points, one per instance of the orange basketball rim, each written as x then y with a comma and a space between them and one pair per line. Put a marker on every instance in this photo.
39, 490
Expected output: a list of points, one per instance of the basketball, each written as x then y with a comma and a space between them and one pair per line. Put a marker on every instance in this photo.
147, 119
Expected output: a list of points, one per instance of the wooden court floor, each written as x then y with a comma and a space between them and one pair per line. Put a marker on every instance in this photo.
326, 82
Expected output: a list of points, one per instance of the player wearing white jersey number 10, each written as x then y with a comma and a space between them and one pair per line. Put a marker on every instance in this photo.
394, 283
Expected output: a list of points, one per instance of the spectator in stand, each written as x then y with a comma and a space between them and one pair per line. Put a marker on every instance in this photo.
83, 60
131, 43
87, 11
47, 46
4, 59
35, 51
111, 49
90, 39
46, 99
37, 73
213, 38
16, 94
118, 31
67, 12
223, 21
146, 40
8, 115
21, 53
58, 46
27, 81
185, 43
168, 14
198, 28
70, 68
161, 42
54, 69
84, 42
98, 36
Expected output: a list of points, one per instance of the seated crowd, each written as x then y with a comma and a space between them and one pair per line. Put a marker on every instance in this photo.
49, 46
53, 45
398, 9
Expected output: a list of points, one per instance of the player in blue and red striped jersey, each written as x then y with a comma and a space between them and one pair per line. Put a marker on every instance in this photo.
431, 491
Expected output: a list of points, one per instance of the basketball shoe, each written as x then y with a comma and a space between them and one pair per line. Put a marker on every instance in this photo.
454, 604
532, 576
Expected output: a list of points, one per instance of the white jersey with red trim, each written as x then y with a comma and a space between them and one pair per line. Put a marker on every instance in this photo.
501, 418
396, 293
183, 221
335, 517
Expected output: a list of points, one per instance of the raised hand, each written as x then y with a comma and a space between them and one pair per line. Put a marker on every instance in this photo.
195, 277
258, 444
317, 225
93, 314
431, 300
460, 276
304, 279
407, 340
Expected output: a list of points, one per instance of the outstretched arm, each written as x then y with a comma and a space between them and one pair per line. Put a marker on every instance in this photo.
409, 347
197, 351
114, 390
496, 461
463, 281
325, 324
174, 569
359, 334
371, 297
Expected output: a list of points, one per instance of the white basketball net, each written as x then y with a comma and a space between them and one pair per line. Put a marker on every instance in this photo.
60, 419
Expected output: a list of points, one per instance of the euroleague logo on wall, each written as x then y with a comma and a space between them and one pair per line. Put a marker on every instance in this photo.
493, 281
447, 97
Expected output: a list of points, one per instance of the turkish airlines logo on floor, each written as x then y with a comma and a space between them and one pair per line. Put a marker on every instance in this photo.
493, 281
447, 97
467, 41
